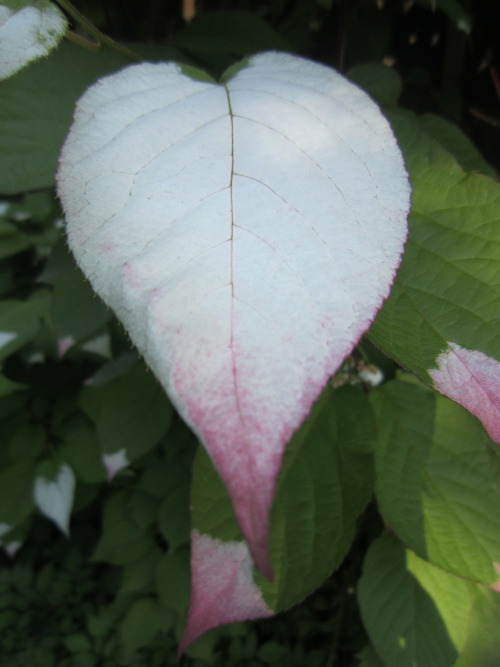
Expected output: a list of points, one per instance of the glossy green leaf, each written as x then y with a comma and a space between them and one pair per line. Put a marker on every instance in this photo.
442, 315
415, 613
437, 480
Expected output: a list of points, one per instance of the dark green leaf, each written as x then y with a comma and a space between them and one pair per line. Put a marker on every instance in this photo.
19, 323
36, 108
456, 143
123, 540
379, 81
82, 450
131, 413
236, 32
16, 492
142, 622
76, 310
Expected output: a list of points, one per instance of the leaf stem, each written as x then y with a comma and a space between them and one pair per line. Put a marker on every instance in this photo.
82, 41
90, 28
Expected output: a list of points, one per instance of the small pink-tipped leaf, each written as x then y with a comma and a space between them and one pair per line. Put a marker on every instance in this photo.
471, 379
222, 587
245, 233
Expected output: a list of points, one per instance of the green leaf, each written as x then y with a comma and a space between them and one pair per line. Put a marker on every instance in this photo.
12, 240
28, 442
172, 582
123, 540
450, 137
16, 501
142, 622
482, 646
9, 387
235, 32
139, 575
77, 642
325, 481
379, 81
76, 310
33, 126
19, 323
173, 517
447, 290
131, 413
415, 613
369, 658
437, 480
82, 450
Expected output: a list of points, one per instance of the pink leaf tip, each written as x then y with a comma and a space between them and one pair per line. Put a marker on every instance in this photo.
222, 589
471, 379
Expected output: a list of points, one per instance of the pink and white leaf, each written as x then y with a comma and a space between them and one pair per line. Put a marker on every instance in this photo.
245, 234
222, 587
471, 379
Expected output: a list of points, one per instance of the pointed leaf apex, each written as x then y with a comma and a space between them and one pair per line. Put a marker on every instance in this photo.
223, 590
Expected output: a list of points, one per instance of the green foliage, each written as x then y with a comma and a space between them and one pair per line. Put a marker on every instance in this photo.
388, 494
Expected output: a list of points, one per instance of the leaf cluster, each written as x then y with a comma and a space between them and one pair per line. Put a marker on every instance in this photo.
388, 494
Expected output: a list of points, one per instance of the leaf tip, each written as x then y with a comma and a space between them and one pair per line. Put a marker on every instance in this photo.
471, 379
223, 589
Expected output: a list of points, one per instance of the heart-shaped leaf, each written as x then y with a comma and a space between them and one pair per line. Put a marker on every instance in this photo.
53, 491
245, 233
28, 31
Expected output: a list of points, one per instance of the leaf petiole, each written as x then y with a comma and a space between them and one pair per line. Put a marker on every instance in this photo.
89, 27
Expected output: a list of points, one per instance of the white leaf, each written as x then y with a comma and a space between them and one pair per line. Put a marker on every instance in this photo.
28, 31
115, 462
54, 497
245, 233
